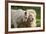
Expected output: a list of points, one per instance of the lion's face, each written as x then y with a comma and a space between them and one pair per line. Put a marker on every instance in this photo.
31, 15
28, 17
31, 18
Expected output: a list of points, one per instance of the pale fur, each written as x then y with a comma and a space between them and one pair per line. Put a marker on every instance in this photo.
17, 13
33, 13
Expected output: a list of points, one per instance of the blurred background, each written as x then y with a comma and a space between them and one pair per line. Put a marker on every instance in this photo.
37, 9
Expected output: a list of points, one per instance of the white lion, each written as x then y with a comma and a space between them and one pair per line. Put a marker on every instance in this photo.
32, 14
17, 15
